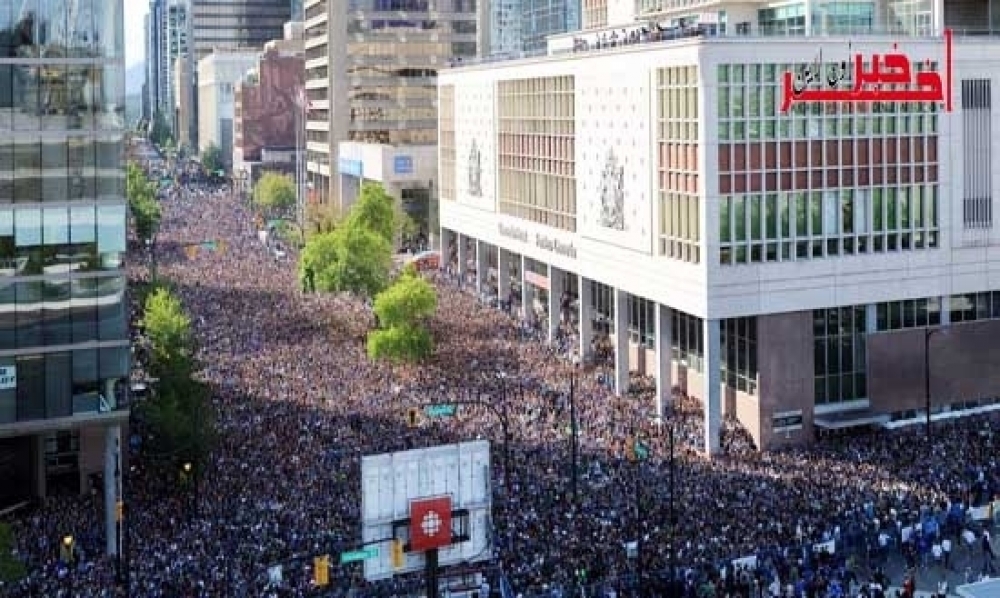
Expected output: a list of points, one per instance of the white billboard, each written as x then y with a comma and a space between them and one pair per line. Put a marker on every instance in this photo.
390, 481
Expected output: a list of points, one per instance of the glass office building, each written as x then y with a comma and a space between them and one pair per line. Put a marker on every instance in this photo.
64, 343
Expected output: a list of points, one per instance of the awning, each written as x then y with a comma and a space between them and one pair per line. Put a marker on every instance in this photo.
984, 589
849, 419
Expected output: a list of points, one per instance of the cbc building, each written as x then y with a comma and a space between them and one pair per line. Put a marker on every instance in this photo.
804, 271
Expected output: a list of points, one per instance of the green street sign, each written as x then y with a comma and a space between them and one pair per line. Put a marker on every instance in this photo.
353, 556
641, 450
443, 410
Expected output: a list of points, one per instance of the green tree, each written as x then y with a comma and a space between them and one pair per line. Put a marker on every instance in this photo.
274, 193
11, 569
211, 158
351, 259
159, 131
168, 330
408, 301
180, 417
143, 206
376, 211
402, 311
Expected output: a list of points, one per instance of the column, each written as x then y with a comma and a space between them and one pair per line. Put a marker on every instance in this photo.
38, 454
556, 280
621, 342
586, 331
446, 238
525, 291
945, 310
664, 358
482, 267
503, 274
712, 393
112, 443
871, 318
463, 258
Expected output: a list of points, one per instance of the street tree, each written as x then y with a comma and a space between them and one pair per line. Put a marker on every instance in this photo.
179, 415
402, 311
142, 203
11, 568
350, 259
376, 211
274, 193
211, 158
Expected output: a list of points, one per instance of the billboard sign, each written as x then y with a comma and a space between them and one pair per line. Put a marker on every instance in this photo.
437, 497
891, 78
8, 377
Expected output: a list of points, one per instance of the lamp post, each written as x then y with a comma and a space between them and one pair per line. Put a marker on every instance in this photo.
928, 333
574, 435
672, 515
191, 477
69, 544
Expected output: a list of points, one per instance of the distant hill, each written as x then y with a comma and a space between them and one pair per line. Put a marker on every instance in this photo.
135, 76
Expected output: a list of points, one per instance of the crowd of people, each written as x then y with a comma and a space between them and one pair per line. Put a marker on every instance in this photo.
299, 402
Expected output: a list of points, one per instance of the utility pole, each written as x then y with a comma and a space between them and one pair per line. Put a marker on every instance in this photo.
574, 441
672, 514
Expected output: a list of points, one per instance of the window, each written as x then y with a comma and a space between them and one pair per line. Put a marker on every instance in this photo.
679, 228
977, 174
686, 340
910, 313
739, 353
642, 321
840, 362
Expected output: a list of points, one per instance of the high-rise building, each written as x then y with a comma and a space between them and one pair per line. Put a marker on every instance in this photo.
64, 342
371, 69
519, 27
815, 268
167, 40
218, 75
224, 25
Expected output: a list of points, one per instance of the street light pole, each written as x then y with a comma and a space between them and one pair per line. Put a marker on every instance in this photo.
672, 514
574, 440
928, 333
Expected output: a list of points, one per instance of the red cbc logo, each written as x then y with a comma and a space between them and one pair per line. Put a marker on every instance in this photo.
430, 523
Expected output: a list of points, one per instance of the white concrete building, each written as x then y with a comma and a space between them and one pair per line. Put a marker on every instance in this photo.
218, 74
831, 266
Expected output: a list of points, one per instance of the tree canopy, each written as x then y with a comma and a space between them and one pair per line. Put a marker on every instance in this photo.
356, 256
212, 159
376, 211
159, 131
274, 193
403, 310
11, 569
179, 415
142, 203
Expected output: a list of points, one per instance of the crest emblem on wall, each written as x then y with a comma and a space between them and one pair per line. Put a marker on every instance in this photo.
475, 170
613, 193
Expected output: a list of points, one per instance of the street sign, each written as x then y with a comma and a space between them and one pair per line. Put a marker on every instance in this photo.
353, 556
442, 410
641, 450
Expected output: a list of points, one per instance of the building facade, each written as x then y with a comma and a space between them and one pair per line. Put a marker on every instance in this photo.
371, 77
218, 75
235, 24
64, 342
522, 26
167, 40
800, 271
265, 107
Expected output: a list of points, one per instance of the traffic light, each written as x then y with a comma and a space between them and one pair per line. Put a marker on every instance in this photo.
119, 511
630, 448
396, 551
413, 417
321, 570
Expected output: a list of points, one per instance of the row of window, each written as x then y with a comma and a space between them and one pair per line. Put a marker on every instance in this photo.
542, 198
861, 126
44, 27
446, 143
61, 97
826, 223
680, 222
61, 384
738, 347
910, 313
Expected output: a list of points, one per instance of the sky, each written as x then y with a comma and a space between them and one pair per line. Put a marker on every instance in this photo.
135, 39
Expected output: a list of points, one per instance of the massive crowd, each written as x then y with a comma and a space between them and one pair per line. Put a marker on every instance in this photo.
298, 403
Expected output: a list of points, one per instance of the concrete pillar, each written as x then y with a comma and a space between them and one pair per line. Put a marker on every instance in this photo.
871, 318
712, 392
556, 290
446, 238
482, 267
38, 453
945, 310
112, 472
621, 342
503, 274
664, 359
525, 290
463, 257
586, 331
